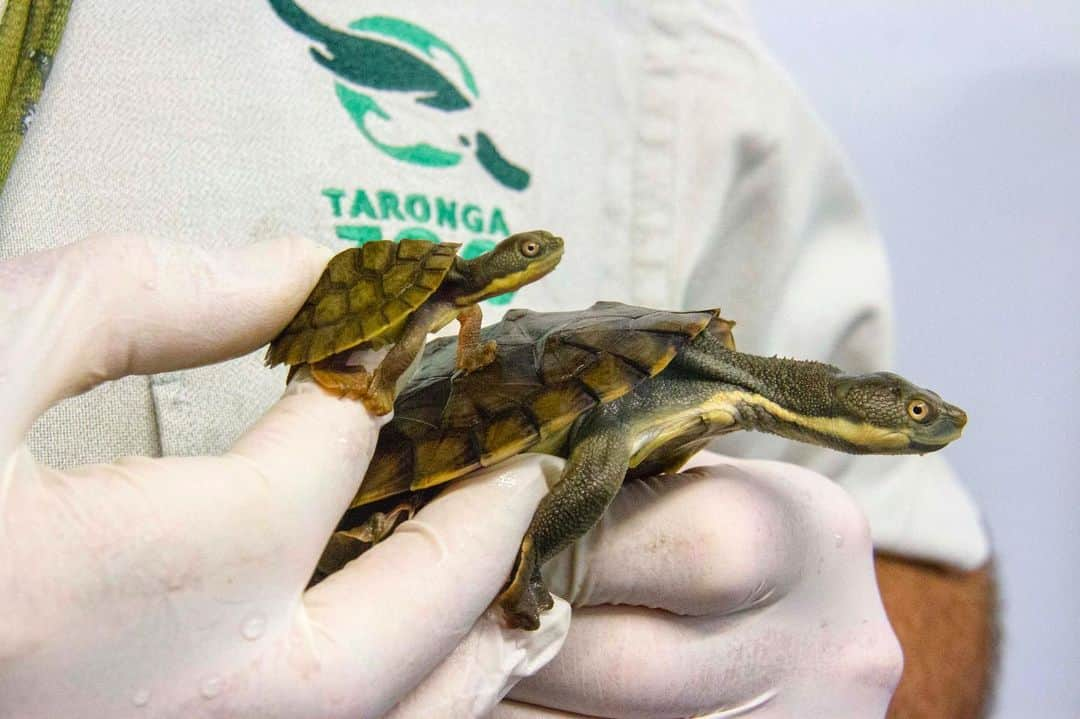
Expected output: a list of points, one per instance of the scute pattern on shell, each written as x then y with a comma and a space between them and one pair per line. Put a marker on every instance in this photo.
550, 368
363, 292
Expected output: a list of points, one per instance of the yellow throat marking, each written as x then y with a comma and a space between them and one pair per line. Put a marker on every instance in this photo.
513, 281
722, 410
859, 434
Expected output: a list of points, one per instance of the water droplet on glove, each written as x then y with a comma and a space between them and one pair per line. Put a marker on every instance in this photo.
211, 687
253, 627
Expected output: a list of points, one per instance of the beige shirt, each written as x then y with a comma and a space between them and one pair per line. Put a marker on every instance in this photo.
658, 138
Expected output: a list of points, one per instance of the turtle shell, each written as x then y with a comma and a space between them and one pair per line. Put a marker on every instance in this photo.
549, 370
364, 293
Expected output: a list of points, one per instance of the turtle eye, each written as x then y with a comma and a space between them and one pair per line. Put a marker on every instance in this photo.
530, 248
918, 410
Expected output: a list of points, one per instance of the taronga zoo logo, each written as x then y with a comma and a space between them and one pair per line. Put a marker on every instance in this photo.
382, 56
382, 63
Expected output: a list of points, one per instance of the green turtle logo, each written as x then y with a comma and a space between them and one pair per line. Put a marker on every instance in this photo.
386, 54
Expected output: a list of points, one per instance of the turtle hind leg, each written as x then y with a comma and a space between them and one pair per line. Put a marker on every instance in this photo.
348, 544
472, 354
526, 595
353, 383
594, 472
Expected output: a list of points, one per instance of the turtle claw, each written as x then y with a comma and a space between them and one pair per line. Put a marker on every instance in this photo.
520, 609
354, 384
525, 596
476, 357
541, 595
379, 401
472, 353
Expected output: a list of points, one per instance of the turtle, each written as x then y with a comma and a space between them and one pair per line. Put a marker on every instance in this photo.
386, 293
620, 392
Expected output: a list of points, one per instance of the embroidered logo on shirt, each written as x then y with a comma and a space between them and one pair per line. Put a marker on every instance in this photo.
379, 57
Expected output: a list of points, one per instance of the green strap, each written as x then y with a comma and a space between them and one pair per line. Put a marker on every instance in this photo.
29, 36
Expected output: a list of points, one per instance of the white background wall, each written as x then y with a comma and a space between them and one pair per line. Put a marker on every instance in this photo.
962, 121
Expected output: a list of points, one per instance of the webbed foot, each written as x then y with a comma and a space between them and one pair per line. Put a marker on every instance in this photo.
380, 524
352, 383
346, 545
379, 398
472, 354
475, 357
525, 596
356, 384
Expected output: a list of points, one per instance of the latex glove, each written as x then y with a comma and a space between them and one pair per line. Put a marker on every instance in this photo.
175, 586
745, 588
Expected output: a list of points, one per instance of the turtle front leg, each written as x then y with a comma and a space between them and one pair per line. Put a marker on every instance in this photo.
472, 354
593, 474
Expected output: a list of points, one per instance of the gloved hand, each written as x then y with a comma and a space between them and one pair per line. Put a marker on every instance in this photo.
744, 588
174, 587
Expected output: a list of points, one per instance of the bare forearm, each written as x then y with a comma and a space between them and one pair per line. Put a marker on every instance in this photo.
946, 621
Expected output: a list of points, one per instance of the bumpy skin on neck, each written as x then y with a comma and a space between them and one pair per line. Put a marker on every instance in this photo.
803, 386
814, 402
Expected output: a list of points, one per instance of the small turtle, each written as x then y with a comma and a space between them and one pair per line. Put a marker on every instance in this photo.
384, 293
620, 392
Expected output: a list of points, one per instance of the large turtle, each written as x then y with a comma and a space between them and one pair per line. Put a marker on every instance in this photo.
619, 391
384, 293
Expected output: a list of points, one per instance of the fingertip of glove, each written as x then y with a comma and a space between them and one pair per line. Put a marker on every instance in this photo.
286, 253
303, 249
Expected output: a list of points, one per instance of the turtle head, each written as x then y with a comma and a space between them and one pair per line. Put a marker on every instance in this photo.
513, 263
883, 413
